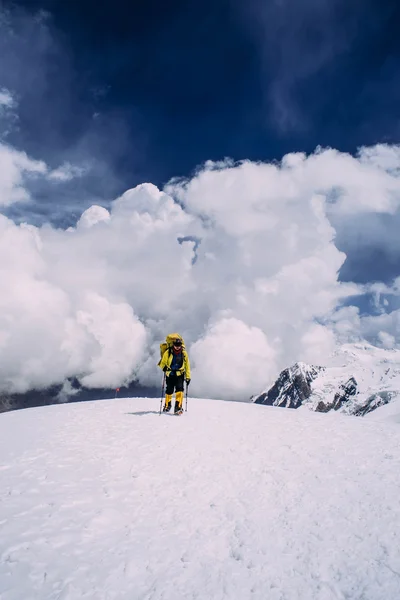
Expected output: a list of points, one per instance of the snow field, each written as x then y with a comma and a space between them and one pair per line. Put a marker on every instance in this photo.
108, 500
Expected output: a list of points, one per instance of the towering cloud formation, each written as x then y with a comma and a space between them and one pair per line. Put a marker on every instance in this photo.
241, 260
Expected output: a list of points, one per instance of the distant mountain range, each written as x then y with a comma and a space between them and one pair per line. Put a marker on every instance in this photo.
58, 394
357, 379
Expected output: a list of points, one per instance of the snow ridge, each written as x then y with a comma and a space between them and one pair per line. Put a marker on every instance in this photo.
111, 501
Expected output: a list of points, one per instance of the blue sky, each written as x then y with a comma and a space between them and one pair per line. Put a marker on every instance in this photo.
158, 88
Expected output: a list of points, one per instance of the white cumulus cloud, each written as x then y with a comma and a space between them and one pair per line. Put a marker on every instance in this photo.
241, 260
14, 167
234, 357
17, 167
66, 172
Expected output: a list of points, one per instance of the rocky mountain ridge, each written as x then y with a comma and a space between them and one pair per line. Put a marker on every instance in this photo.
358, 379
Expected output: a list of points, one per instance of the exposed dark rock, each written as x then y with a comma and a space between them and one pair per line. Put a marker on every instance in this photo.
345, 392
372, 402
292, 387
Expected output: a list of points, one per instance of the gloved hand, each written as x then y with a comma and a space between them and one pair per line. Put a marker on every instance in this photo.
165, 369
187, 381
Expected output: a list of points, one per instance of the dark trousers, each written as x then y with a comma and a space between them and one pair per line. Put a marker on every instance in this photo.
174, 382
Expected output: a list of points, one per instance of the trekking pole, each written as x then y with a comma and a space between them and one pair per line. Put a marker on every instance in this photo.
186, 395
162, 393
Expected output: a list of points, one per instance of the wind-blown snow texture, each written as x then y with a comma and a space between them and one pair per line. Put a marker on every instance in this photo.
358, 379
110, 501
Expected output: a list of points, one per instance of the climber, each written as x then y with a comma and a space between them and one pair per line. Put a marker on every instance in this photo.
176, 366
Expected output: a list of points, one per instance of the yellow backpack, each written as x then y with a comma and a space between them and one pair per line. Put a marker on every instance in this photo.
169, 342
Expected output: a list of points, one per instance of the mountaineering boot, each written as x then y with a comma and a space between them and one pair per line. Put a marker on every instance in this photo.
177, 410
167, 405
178, 403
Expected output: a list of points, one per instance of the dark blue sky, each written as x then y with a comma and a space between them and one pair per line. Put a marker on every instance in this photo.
152, 89
186, 81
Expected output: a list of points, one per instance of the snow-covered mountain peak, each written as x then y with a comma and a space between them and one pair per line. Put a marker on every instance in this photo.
363, 353
291, 388
302, 368
356, 379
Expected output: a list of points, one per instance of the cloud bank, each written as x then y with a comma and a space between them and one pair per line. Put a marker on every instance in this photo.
241, 259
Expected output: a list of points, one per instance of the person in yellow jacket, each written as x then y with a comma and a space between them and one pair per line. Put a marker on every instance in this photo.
176, 366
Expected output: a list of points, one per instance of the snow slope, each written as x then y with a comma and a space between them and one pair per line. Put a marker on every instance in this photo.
110, 501
389, 412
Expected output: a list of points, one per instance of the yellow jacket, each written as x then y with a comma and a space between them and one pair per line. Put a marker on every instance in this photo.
167, 360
